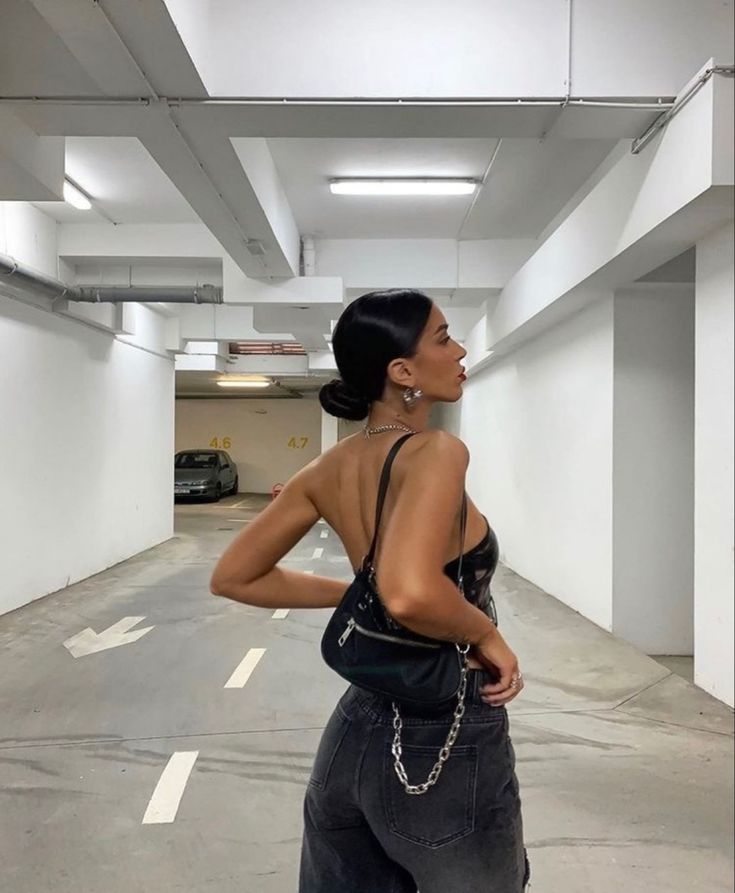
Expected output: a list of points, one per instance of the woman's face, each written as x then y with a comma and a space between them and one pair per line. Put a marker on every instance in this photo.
437, 363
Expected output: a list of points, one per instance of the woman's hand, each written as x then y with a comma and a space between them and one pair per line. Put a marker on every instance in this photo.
494, 653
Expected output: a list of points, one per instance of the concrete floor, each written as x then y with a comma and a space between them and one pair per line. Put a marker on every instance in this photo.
680, 664
626, 769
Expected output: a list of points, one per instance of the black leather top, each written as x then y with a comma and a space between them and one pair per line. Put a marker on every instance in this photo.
478, 567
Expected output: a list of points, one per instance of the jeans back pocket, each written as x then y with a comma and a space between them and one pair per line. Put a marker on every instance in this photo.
446, 811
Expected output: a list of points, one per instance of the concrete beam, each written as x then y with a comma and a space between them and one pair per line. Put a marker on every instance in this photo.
80, 242
128, 53
210, 322
429, 264
239, 289
31, 167
649, 208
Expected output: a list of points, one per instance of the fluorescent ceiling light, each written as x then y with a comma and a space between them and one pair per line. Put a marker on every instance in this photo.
402, 186
243, 384
74, 196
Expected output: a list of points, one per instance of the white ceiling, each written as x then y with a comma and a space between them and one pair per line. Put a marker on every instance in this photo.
204, 384
176, 160
306, 165
529, 182
124, 182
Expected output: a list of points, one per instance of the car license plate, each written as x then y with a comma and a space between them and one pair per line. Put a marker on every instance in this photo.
181, 490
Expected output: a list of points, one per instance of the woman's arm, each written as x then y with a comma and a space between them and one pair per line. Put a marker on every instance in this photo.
247, 570
410, 572
410, 566
286, 589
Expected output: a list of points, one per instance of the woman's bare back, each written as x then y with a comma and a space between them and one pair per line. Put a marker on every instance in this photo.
345, 491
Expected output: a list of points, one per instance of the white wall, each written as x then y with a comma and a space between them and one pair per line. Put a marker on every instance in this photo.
29, 236
86, 432
87, 445
713, 568
264, 436
484, 48
330, 431
653, 468
538, 424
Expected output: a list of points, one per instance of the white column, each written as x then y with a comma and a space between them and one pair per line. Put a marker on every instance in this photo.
713, 499
329, 431
653, 467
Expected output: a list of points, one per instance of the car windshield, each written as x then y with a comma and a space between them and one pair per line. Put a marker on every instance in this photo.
195, 460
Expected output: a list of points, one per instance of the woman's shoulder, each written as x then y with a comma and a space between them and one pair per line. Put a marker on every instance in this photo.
441, 444
430, 446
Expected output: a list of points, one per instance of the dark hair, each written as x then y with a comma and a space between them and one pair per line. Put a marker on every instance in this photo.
372, 331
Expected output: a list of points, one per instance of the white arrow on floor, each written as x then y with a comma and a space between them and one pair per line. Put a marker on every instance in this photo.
88, 641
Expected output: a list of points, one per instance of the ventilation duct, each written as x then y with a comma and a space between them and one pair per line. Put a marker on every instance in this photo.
190, 294
24, 278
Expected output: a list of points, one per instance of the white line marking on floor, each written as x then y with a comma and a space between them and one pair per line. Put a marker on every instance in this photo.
308, 572
240, 520
164, 802
324, 534
245, 668
318, 553
90, 642
280, 613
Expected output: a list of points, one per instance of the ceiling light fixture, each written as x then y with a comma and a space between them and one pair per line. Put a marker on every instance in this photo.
402, 186
74, 196
243, 384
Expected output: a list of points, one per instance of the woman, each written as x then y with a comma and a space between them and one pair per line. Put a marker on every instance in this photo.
362, 832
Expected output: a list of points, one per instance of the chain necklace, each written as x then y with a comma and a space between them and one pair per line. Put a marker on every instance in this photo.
379, 428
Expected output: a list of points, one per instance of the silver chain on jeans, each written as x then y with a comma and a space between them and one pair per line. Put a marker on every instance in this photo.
451, 737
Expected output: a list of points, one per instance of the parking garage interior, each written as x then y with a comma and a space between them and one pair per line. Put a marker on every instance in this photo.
173, 260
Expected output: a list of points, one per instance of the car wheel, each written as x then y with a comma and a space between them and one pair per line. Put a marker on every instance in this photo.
218, 492
235, 486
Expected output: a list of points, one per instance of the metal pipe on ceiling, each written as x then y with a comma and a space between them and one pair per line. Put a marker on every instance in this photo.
663, 120
25, 278
187, 294
642, 104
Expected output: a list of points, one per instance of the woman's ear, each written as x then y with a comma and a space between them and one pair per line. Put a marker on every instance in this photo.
399, 373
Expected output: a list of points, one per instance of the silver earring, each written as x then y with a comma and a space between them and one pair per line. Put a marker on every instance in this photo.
411, 395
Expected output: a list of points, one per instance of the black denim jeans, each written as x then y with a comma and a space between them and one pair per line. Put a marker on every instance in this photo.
364, 834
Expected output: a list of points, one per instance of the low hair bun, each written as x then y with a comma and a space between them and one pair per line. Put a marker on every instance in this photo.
339, 399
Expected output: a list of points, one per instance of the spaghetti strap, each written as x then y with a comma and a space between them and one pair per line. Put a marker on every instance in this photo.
382, 490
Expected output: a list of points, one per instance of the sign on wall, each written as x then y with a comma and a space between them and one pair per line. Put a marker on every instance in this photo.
225, 443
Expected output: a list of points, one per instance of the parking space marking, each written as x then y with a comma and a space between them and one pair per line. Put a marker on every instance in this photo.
281, 614
318, 553
308, 572
245, 668
164, 802
324, 534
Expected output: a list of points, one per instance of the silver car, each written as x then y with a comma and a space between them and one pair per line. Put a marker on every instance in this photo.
210, 473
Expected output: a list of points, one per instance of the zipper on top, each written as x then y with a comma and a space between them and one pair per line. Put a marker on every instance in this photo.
352, 625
